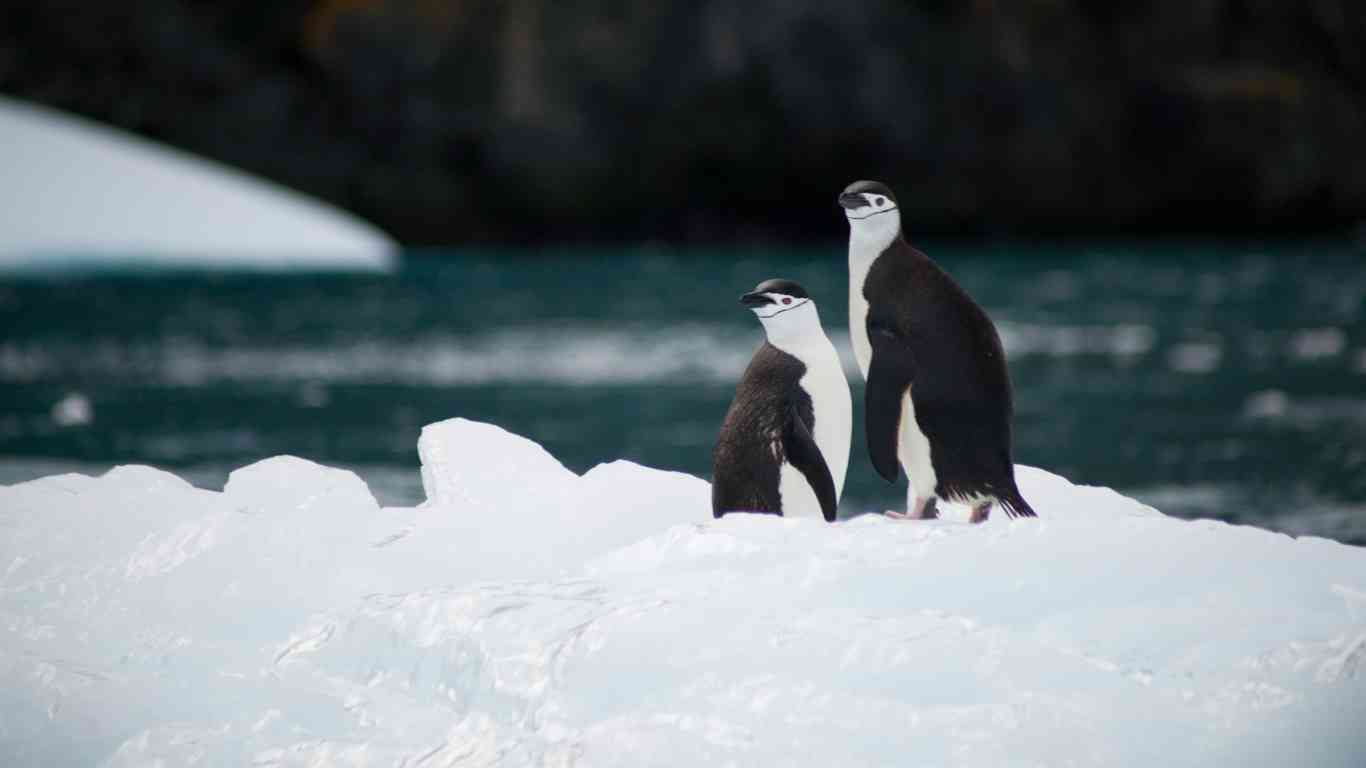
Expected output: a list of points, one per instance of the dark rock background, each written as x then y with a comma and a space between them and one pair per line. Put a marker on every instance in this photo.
531, 121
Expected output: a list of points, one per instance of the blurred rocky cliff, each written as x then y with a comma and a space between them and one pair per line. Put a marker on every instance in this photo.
535, 121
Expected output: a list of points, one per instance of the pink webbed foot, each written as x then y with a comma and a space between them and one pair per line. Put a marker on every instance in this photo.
923, 509
926, 508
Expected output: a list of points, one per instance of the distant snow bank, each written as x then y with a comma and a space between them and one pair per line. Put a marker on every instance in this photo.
74, 194
526, 615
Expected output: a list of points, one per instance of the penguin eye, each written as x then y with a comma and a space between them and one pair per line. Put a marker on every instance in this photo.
787, 300
879, 202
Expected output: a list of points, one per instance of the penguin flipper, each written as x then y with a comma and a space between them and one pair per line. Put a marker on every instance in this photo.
889, 376
803, 453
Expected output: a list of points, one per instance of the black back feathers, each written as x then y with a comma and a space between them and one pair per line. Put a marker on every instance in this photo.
770, 422
929, 338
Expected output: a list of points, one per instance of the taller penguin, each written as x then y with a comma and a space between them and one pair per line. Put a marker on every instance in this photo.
938, 397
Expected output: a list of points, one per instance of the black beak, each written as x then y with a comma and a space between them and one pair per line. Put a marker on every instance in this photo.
753, 300
852, 201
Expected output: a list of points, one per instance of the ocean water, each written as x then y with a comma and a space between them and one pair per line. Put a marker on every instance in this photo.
1208, 380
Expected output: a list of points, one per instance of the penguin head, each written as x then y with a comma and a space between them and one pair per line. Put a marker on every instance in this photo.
784, 308
872, 211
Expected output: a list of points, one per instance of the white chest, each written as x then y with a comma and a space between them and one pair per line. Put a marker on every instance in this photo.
913, 450
861, 256
833, 407
858, 328
824, 382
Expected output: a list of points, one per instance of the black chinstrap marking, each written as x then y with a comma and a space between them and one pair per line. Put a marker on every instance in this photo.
802, 303
871, 215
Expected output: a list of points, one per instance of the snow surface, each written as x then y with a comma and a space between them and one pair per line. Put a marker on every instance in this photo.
75, 193
528, 616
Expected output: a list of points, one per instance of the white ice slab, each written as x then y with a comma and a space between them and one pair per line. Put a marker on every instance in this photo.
526, 615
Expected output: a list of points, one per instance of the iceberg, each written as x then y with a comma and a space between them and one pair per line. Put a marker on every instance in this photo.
526, 615
78, 194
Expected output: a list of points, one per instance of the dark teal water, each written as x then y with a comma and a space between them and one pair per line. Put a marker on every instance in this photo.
1209, 380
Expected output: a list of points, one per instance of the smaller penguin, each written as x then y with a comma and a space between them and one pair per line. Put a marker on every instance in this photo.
784, 445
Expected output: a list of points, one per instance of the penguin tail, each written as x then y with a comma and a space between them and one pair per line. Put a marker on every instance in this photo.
1015, 505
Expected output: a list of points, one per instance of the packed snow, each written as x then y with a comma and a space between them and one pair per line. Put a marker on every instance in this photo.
75, 194
525, 615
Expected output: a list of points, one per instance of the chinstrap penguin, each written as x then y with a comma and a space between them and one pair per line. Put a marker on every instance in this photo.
938, 398
784, 444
